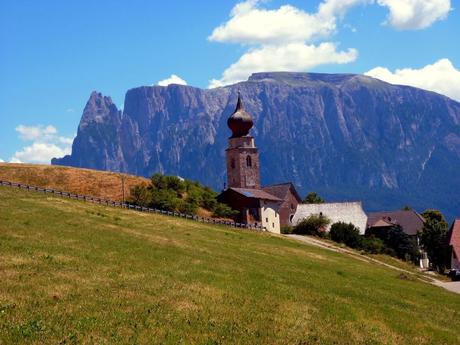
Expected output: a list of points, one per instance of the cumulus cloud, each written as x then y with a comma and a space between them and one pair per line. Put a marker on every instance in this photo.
281, 39
1, 160
29, 133
289, 57
41, 152
415, 14
173, 79
441, 77
45, 144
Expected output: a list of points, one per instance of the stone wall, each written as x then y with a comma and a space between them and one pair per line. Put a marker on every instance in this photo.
348, 212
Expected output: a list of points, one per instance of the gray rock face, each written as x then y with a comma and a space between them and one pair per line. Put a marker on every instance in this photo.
344, 136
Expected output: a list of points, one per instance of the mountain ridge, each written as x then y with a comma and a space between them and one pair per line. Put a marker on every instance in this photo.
346, 136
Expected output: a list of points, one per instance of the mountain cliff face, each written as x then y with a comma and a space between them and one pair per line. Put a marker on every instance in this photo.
344, 136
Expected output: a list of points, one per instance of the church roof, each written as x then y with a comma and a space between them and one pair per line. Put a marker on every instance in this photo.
255, 194
281, 190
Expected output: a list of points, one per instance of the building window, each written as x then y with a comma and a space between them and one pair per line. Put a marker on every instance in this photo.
273, 224
232, 163
266, 219
248, 161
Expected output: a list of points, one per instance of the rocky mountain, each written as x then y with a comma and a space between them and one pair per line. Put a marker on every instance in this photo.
348, 137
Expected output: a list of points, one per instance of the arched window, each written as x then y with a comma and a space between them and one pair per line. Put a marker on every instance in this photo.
248, 161
232, 163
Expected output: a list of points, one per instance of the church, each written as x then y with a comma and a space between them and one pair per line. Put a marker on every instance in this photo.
269, 206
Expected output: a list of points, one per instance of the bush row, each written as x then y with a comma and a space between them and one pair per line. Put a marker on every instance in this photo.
392, 242
170, 193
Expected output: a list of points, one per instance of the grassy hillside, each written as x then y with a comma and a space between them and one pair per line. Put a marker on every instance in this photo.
102, 184
80, 273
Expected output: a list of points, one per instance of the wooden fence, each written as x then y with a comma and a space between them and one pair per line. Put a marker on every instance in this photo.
128, 206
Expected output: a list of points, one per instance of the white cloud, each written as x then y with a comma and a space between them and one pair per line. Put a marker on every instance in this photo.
289, 57
173, 79
35, 132
46, 144
280, 39
40, 152
1, 160
415, 14
441, 77
251, 24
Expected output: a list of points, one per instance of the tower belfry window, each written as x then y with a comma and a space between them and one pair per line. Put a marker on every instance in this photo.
233, 163
248, 161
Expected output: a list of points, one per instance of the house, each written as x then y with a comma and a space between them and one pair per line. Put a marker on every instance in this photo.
410, 222
347, 212
255, 207
454, 245
244, 193
290, 200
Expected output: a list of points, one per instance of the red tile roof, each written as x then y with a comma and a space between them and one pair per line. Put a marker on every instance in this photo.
281, 190
410, 221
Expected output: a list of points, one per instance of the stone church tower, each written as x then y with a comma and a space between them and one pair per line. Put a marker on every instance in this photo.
242, 154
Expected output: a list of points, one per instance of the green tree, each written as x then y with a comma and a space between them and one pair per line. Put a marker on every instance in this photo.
313, 198
224, 211
345, 233
372, 245
140, 196
398, 243
436, 216
434, 240
171, 193
314, 224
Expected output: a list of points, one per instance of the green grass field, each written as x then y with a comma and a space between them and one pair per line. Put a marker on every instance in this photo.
72, 272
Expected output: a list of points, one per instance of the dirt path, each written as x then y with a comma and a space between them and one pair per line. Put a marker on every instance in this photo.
451, 286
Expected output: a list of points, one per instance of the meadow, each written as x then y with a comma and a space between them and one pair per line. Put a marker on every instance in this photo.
78, 273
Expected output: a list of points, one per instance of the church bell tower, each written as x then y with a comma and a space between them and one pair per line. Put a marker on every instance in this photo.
242, 154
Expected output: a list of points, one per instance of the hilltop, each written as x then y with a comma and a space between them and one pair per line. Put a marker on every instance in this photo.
84, 273
101, 184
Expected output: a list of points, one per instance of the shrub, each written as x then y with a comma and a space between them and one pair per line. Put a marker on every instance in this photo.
314, 224
286, 229
184, 206
398, 243
372, 245
225, 211
140, 196
170, 193
345, 233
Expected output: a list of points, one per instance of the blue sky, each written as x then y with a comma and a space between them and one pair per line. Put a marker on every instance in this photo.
54, 53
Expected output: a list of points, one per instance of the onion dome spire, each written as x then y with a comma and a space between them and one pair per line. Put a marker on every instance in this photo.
240, 122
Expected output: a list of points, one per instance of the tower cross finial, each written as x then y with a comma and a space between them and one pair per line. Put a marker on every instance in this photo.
239, 104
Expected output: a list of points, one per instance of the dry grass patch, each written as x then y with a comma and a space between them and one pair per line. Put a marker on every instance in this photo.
96, 183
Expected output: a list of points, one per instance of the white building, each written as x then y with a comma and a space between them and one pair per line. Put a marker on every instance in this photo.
347, 212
